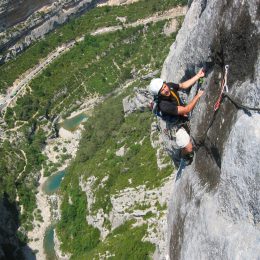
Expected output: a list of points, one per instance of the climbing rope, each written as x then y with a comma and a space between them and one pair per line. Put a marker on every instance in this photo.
238, 104
204, 135
223, 87
224, 93
216, 107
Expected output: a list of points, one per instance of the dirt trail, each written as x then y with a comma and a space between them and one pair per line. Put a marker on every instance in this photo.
170, 14
25, 160
30, 74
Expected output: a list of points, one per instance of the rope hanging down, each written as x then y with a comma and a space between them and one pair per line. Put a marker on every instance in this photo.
223, 87
216, 107
223, 93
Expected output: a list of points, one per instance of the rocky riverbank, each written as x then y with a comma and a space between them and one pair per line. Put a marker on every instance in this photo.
36, 236
49, 205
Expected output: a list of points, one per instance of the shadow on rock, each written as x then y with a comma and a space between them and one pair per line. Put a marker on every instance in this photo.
12, 241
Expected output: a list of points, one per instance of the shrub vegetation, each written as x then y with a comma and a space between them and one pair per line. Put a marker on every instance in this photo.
98, 64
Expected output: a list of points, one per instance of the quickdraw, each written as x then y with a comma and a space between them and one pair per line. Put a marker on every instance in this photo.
224, 87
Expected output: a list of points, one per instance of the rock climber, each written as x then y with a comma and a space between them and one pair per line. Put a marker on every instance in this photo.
171, 106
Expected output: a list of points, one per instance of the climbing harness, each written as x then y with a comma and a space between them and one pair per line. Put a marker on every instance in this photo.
224, 87
173, 127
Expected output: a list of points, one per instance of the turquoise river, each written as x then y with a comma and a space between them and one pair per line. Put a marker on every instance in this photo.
72, 123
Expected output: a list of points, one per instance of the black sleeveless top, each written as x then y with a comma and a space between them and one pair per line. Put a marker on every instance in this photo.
168, 105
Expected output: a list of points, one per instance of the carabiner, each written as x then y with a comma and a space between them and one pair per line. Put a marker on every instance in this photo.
225, 78
226, 67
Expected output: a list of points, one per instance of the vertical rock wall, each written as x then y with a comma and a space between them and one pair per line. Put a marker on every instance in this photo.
10, 245
215, 207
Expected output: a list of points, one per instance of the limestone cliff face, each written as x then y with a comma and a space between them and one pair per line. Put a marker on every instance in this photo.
24, 21
215, 207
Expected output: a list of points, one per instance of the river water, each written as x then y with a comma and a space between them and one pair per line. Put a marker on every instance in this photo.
50, 187
48, 243
53, 183
71, 124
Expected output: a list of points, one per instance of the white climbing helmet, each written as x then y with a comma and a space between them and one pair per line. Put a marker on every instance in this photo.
156, 85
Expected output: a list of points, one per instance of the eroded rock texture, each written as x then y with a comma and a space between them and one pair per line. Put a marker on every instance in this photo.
215, 207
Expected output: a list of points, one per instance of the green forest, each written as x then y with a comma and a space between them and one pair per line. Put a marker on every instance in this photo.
97, 157
97, 65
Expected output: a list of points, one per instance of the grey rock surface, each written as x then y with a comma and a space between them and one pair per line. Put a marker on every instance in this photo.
139, 101
215, 206
10, 245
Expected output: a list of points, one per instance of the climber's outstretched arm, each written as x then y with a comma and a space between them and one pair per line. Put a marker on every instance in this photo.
183, 111
190, 82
